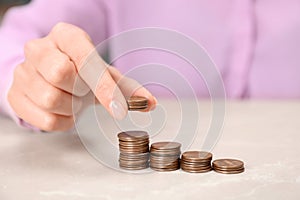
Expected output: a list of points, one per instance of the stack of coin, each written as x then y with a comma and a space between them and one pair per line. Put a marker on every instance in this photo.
228, 166
165, 156
134, 150
137, 103
196, 161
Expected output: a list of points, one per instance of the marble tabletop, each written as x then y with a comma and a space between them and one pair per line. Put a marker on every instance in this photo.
264, 134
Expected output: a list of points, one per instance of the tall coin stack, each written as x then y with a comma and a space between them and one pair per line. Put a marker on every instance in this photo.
196, 161
134, 150
165, 156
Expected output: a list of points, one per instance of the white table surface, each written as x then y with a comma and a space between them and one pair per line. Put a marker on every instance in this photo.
264, 134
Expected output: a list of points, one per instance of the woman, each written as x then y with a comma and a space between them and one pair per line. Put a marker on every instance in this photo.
255, 45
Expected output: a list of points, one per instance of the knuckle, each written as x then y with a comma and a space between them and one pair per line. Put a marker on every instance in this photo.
59, 71
66, 29
51, 99
20, 75
59, 27
31, 47
18, 72
50, 122
86, 36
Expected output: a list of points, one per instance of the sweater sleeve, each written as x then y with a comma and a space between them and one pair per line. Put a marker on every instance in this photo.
35, 20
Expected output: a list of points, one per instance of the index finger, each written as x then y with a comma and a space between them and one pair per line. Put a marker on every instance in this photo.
74, 42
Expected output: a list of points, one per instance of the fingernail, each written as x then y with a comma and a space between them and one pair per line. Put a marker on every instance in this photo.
117, 109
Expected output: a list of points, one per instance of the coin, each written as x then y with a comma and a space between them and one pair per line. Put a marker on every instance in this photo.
228, 166
137, 103
228, 163
136, 99
197, 170
138, 106
194, 156
165, 156
134, 150
230, 171
133, 136
136, 155
184, 163
196, 161
164, 169
132, 162
165, 145
139, 167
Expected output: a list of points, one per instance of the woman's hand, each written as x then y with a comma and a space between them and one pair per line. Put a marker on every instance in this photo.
43, 86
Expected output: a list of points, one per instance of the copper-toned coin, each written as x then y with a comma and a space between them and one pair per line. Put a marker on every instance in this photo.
133, 162
195, 165
133, 135
165, 145
165, 169
165, 166
166, 151
197, 170
134, 148
165, 156
165, 163
134, 167
125, 146
228, 164
196, 161
129, 140
218, 169
136, 155
138, 107
124, 160
137, 103
230, 171
133, 100
196, 156
134, 144
137, 99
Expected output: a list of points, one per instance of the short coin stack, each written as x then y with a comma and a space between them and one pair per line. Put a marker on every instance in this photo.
165, 156
196, 161
228, 166
134, 150
137, 103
